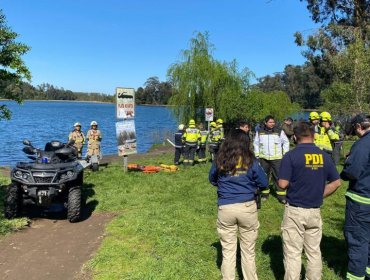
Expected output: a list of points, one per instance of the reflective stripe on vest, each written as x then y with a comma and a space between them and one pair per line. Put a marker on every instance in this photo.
350, 276
358, 198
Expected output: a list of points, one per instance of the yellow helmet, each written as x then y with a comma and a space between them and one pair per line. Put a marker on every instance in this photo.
220, 121
314, 116
325, 117
191, 122
213, 124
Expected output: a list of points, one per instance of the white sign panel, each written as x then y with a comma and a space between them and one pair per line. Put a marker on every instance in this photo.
126, 137
209, 114
125, 102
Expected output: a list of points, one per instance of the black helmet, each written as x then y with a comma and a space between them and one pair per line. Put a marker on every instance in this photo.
358, 119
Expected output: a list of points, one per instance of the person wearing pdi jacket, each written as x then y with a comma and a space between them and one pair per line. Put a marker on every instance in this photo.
237, 176
357, 216
270, 144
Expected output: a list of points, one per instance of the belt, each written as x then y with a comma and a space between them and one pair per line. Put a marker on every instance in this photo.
292, 205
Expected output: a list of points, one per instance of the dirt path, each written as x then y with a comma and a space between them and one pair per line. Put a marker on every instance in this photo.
51, 249
56, 249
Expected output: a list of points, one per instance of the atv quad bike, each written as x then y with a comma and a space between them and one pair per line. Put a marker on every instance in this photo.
55, 175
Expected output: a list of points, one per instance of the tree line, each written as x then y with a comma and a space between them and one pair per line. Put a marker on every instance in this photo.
335, 76
46, 91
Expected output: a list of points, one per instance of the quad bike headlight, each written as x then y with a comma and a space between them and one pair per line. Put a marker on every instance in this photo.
69, 174
18, 174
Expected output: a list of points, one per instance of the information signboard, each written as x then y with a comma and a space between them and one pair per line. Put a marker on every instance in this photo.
125, 103
126, 137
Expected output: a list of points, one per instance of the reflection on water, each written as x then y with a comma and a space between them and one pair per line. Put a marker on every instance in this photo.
41, 122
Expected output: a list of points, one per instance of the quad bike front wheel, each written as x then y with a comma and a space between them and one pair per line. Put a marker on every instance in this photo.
74, 210
12, 201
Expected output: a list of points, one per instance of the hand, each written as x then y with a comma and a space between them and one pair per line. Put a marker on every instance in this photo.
326, 125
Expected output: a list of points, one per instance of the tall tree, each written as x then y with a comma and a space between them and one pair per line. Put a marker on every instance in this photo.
13, 69
200, 81
350, 93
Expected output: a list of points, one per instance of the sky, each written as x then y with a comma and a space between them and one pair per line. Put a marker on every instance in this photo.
96, 45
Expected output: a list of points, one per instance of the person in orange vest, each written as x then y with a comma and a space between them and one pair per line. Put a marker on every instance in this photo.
79, 138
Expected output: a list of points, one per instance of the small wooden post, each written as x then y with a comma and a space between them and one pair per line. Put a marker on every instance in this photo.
125, 163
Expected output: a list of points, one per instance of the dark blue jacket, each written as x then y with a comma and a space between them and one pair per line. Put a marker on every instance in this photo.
178, 139
240, 187
357, 167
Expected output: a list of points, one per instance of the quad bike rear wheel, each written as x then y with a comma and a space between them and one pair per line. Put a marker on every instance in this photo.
74, 210
12, 201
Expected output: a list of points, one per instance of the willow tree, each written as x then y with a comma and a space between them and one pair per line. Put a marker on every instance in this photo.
12, 68
199, 81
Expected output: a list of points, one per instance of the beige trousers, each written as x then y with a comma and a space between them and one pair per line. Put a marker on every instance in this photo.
231, 218
302, 229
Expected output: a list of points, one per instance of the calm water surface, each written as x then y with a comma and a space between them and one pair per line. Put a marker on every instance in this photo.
41, 122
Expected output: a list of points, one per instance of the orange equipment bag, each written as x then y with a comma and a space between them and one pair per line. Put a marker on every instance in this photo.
151, 169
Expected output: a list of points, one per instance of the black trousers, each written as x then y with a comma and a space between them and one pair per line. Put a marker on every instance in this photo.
202, 153
189, 154
336, 152
178, 153
213, 149
272, 167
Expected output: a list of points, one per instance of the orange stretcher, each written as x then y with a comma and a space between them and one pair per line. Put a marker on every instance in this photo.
151, 168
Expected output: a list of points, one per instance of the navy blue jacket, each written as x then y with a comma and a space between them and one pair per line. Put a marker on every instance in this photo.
240, 187
357, 167
178, 139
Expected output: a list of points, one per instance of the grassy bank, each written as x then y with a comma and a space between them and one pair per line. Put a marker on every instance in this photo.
166, 227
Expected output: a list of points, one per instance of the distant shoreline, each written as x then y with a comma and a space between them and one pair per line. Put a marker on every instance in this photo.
86, 101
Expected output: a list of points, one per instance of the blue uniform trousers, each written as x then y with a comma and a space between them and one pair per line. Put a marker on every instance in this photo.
357, 235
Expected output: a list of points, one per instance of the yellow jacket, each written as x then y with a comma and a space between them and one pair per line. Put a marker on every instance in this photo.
191, 135
324, 138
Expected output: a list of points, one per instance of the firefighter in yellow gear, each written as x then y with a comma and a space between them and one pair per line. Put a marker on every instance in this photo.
214, 140
79, 138
326, 134
314, 120
203, 143
191, 138
220, 126
94, 138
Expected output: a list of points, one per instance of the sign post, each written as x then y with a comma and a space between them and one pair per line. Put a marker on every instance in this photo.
125, 129
208, 116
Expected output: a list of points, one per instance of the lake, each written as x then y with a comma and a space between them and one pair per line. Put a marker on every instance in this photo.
43, 121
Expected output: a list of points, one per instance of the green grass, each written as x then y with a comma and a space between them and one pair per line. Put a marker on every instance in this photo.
166, 227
